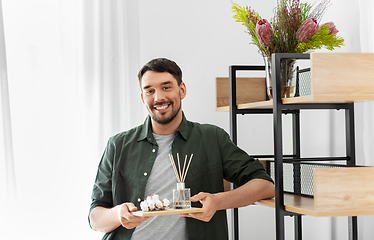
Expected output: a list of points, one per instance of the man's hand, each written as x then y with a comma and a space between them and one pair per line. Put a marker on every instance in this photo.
126, 218
249, 193
107, 219
209, 202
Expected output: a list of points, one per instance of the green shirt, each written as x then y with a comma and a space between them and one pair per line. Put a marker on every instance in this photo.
129, 156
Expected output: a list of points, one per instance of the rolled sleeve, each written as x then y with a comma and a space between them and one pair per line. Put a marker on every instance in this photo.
102, 189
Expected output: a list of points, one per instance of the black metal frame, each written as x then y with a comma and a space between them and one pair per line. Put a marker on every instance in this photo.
233, 123
279, 158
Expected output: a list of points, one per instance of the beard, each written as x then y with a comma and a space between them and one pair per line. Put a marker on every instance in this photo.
166, 119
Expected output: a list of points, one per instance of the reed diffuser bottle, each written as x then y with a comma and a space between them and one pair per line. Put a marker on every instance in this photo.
181, 195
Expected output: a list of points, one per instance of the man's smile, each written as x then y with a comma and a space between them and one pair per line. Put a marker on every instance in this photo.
163, 106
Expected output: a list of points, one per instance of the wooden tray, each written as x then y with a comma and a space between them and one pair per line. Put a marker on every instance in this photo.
169, 211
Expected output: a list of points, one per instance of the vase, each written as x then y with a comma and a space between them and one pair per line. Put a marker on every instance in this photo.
287, 76
181, 197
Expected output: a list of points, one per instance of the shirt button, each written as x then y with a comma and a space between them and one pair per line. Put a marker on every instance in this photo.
145, 174
153, 150
139, 200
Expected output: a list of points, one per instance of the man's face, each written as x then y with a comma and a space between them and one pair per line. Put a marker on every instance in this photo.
162, 96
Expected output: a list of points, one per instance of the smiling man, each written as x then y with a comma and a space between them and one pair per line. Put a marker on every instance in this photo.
135, 165
162, 95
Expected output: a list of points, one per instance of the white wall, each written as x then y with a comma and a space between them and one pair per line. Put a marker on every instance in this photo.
203, 38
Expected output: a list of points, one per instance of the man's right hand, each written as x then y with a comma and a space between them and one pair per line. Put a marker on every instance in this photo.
107, 219
126, 218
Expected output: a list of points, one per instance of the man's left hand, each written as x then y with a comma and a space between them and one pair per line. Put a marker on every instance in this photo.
209, 205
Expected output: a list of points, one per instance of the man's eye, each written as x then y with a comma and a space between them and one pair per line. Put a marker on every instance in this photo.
149, 91
166, 88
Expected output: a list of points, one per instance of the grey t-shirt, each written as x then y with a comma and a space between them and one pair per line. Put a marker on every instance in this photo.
162, 181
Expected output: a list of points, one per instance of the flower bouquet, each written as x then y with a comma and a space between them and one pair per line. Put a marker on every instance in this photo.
293, 29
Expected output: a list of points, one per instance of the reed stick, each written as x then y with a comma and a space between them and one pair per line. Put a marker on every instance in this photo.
184, 165
174, 168
188, 165
179, 166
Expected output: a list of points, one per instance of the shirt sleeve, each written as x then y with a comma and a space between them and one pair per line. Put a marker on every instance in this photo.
102, 189
238, 166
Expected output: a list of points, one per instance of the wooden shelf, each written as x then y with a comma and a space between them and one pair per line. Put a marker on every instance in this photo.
248, 90
257, 105
328, 99
335, 78
294, 203
300, 100
338, 192
305, 206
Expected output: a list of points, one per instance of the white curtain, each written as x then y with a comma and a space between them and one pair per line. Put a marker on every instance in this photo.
7, 173
72, 75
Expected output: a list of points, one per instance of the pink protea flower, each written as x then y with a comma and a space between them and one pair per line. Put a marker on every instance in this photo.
332, 28
264, 33
307, 29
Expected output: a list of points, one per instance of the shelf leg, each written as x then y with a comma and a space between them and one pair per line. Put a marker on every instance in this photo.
279, 226
233, 135
278, 149
298, 227
352, 228
233, 107
350, 135
351, 154
297, 170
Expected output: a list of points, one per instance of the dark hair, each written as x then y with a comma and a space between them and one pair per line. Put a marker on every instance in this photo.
162, 65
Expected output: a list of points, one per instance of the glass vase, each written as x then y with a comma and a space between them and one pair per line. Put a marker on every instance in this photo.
287, 76
181, 197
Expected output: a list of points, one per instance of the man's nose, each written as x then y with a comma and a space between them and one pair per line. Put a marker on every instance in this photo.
159, 96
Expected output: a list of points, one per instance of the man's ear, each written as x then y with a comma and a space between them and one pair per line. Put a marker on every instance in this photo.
182, 90
141, 96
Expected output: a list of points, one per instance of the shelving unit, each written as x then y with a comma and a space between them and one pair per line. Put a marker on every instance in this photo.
332, 87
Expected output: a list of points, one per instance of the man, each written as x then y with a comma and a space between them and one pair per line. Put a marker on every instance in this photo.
135, 165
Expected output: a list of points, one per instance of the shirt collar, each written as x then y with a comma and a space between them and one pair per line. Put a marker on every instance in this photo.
184, 129
146, 131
